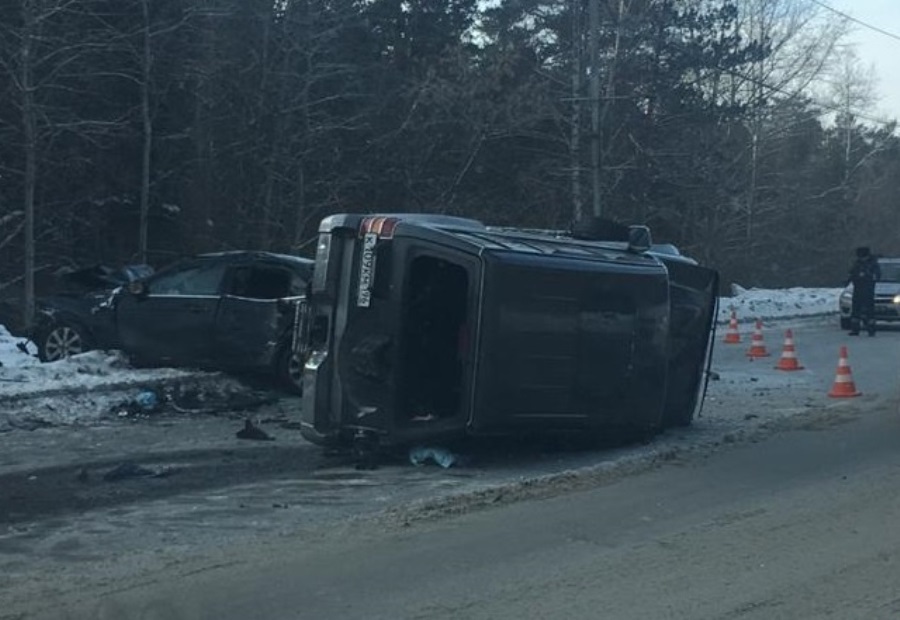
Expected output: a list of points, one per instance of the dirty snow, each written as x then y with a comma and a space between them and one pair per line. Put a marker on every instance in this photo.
83, 387
765, 304
23, 374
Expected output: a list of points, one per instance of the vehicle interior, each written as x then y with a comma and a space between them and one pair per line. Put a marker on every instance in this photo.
434, 339
264, 282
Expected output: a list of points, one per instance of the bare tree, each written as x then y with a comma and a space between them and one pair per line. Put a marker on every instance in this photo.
50, 54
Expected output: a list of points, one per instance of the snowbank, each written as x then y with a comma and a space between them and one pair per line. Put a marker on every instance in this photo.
85, 387
766, 304
22, 374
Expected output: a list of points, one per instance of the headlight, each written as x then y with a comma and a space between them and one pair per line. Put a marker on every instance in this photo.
897, 299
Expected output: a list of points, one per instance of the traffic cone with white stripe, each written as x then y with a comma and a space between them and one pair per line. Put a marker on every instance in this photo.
757, 346
733, 336
844, 387
789, 359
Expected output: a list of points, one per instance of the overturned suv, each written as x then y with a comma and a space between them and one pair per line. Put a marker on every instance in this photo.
422, 327
231, 311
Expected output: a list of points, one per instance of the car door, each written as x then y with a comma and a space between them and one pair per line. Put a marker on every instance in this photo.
172, 319
255, 313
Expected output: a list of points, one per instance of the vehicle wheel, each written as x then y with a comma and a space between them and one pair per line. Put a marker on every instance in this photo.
845, 323
62, 340
290, 371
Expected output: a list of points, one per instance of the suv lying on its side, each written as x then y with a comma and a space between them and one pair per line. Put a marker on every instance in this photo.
428, 328
887, 294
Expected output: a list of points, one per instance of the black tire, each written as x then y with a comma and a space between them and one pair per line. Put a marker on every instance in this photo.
845, 323
289, 371
62, 339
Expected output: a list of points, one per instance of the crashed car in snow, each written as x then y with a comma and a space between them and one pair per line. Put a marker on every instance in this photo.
68, 322
231, 311
422, 327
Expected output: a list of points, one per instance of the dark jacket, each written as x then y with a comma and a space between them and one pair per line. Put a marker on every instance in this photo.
863, 275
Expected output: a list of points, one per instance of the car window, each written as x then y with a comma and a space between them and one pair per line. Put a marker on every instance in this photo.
262, 282
204, 279
890, 272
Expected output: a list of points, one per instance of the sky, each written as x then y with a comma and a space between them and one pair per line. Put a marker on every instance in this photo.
876, 49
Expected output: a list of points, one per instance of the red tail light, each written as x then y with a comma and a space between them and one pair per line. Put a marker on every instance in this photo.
383, 227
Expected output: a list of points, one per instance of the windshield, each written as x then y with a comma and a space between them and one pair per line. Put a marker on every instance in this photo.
890, 272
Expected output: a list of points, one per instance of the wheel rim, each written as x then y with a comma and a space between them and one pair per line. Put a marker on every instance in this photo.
63, 342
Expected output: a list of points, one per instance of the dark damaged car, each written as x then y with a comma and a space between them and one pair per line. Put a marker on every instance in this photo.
231, 311
425, 328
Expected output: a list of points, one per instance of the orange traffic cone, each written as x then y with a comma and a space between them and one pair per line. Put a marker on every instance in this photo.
788, 359
757, 347
733, 336
843, 382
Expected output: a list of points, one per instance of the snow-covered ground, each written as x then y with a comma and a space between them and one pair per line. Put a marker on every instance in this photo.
83, 387
21, 373
88, 385
767, 304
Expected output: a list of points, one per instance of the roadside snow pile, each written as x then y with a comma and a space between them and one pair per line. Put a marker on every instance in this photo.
765, 304
97, 384
11, 356
21, 374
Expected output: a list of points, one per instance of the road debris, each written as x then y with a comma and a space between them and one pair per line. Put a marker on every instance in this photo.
440, 456
253, 432
130, 469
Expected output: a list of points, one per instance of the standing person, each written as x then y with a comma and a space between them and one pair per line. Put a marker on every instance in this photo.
863, 275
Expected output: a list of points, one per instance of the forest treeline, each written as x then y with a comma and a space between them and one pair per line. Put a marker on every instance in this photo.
135, 130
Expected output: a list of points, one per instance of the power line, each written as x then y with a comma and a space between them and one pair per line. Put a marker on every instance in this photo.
820, 104
857, 21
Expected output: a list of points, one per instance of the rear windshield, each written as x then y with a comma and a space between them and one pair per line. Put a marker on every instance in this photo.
890, 272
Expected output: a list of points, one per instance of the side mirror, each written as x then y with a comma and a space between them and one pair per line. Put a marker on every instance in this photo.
138, 288
639, 239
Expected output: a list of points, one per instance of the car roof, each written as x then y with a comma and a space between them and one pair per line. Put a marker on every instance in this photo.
256, 254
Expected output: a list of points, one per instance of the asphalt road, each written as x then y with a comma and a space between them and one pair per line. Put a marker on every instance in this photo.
801, 525
791, 517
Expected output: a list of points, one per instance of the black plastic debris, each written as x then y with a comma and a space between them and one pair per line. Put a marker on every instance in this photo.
253, 432
127, 470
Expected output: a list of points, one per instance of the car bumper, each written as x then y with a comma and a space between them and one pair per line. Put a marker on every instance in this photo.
884, 311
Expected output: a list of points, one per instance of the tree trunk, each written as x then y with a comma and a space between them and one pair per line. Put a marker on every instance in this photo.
29, 127
575, 144
594, 17
147, 127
